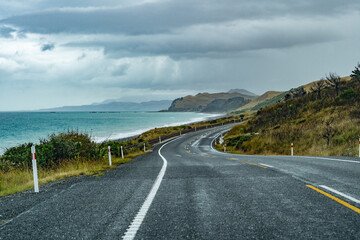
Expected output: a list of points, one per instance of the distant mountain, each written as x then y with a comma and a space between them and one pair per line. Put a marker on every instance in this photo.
115, 106
242, 91
210, 102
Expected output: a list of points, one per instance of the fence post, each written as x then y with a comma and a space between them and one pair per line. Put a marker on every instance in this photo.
122, 153
109, 151
292, 149
35, 175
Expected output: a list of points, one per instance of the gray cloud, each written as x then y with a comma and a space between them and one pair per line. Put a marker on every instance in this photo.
121, 70
47, 47
5, 32
160, 17
168, 47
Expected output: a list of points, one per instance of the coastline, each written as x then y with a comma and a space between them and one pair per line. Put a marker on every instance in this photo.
31, 127
139, 132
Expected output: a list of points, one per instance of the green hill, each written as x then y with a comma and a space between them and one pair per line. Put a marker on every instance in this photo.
317, 124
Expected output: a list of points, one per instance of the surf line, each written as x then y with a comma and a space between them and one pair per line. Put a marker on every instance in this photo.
137, 221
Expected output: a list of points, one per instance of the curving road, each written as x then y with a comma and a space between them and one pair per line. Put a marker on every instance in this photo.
185, 189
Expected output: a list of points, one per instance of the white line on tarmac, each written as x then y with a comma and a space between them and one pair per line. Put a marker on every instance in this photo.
331, 159
266, 165
340, 193
136, 223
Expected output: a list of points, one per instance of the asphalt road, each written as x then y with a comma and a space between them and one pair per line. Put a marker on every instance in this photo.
187, 190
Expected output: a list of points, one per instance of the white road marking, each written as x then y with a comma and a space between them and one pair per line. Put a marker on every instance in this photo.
340, 193
266, 165
331, 159
136, 223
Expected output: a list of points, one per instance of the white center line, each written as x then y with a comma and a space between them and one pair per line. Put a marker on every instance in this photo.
340, 193
137, 221
266, 165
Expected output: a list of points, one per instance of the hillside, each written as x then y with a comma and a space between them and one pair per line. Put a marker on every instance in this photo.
200, 102
115, 106
317, 123
257, 101
242, 91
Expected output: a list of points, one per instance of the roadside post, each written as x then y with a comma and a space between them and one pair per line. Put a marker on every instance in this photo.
122, 153
144, 148
224, 147
159, 139
109, 151
35, 175
359, 147
292, 149
180, 132
195, 129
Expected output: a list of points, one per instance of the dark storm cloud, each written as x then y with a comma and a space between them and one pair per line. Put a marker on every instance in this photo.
47, 47
166, 16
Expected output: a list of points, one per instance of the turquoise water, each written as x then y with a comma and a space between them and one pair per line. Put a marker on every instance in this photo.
20, 127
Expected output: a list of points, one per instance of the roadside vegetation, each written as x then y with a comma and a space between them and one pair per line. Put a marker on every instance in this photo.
322, 121
73, 153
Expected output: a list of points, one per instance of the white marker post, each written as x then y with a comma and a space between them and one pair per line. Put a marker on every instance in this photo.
195, 129
109, 150
224, 147
122, 153
159, 139
292, 149
180, 133
36, 181
144, 148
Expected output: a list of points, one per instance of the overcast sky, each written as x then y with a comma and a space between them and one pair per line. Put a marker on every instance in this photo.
73, 52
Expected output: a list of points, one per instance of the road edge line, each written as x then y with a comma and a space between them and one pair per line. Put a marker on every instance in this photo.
340, 193
137, 221
355, 209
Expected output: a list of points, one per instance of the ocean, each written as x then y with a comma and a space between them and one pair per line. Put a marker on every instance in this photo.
22, 127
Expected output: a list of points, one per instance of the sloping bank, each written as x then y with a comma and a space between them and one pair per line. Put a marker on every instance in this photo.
72, 153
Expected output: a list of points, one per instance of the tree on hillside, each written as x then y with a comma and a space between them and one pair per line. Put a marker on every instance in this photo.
334, 80
356, 73
329, 131
318, 87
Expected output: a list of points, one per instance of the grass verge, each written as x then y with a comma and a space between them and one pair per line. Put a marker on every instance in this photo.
19, 180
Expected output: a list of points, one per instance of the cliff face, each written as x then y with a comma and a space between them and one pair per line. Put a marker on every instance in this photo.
206, 102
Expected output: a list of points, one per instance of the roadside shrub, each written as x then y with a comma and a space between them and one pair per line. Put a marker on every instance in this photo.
51, 152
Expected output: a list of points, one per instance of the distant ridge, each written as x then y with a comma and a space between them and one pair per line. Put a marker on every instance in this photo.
242, 91
115, 106
261, 100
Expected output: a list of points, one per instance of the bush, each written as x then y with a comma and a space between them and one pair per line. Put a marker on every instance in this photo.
348, 93
51, 152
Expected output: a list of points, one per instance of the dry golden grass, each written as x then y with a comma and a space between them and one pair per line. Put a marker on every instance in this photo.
18, 180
